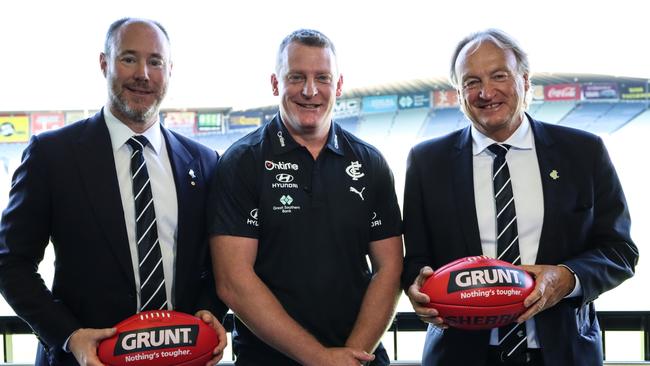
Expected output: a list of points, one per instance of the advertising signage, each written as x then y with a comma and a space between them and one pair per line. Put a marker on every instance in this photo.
562, 92
379, 104
46, 121
245, 119
537, 92
600, 91
209, 122
634, 91
179, 119
14, 128
74, 116
348, 107
445, 98
413, 100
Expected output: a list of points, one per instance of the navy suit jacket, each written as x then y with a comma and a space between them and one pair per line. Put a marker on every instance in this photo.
586, 226
66, 191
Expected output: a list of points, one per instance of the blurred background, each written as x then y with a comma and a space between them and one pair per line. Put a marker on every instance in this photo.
590, 62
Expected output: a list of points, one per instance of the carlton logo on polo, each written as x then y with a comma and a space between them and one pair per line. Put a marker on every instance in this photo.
353, 170
280, 165
484, 277
143, 340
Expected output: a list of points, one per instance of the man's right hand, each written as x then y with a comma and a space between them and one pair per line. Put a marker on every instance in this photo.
343, 356
83, 344
419, 299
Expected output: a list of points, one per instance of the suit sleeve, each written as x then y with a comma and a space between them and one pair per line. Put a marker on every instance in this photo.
208, 299
24, 234
415, 233
611, 255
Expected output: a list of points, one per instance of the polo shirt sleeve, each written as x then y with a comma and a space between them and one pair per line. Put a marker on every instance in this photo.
233, 200
386, 220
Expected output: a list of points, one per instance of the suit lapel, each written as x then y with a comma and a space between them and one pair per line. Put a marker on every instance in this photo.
186, 170
463, 191
94, 150
550, 165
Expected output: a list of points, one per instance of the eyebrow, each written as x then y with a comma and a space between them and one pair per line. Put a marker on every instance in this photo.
134, 52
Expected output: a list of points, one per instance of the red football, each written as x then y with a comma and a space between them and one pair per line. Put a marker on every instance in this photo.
478, 292
160, 338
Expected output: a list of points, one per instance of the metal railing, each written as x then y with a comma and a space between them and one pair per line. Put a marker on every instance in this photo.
403, 322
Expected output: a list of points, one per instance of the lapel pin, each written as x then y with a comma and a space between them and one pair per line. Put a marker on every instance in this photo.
193, 176
554, 174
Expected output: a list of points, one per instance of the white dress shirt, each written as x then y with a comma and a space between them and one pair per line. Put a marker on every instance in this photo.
528, 195
163, 190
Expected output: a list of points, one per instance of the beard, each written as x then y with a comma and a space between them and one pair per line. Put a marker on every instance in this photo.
138, 114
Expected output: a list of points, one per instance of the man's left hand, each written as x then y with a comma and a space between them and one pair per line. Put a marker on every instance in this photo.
552, 284
212, 321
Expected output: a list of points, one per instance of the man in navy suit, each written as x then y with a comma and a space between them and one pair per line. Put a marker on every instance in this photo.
572, 218
74, 189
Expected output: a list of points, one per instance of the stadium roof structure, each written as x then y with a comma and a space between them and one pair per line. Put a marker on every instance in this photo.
442, 83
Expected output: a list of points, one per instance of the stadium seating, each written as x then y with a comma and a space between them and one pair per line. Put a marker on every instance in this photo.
374, 128
407, 124
552, 112
350, 124
617, 117
586, 114
442, 121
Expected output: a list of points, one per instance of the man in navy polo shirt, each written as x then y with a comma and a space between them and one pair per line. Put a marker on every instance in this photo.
297, 206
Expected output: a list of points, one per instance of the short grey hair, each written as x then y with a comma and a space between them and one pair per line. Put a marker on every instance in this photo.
501, 39
306, 37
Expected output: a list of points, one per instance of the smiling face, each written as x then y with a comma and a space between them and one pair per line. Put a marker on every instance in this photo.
137, 69
492, 90
308, 84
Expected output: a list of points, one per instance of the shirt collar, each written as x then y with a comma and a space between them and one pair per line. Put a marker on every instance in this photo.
282, 141
335, 139
120, 133
521, 139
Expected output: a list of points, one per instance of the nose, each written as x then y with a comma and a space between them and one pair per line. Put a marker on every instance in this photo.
142, 71
309, 89
487, 90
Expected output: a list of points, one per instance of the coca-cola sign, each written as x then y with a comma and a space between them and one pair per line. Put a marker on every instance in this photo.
562, 92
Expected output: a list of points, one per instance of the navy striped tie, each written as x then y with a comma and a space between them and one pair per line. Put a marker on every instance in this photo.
152, 279
512, 337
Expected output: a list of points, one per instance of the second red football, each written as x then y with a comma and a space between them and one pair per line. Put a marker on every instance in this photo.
478, 292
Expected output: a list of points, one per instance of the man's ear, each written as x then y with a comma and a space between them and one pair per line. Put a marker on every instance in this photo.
339, 86
103, 62
274, 85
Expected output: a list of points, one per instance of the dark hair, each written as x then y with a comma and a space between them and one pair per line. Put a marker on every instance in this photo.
307, 37
501, 39
116, 25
